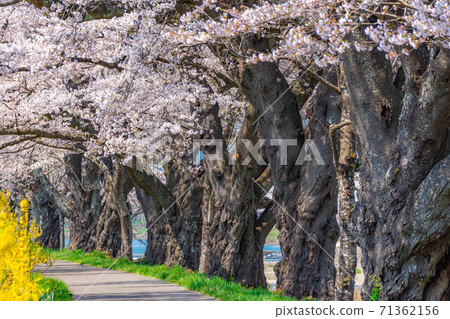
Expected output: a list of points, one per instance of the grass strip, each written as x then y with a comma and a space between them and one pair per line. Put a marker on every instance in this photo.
55, 290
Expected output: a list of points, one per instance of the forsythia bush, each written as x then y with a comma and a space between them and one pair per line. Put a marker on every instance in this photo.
19, 253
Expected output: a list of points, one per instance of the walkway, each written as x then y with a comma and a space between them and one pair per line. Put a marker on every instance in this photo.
114, 285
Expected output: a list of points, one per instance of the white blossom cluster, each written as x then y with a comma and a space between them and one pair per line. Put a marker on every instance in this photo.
317, 30
119, 83
133, 83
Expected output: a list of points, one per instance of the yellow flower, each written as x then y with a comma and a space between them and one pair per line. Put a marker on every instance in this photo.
24, 205
19, 253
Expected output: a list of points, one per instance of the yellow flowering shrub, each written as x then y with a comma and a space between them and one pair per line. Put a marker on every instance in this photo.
19, 253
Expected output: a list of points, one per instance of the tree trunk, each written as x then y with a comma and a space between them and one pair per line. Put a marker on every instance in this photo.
82, 234
207, 215
188, 224
402, 216
174, 232
126, 235
344, 158
62, 234
234, 249
232, 246
307, 224
84, 183
305, 195
108, 231
49, 220
155, 252
117, 187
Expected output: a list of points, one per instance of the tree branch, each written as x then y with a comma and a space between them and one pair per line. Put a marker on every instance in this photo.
39, 133
17, 141
320, 79
266, 221
217, 75
334, 142
52, 194
61, 147
150, 184
10, 3
108, 65
95, 10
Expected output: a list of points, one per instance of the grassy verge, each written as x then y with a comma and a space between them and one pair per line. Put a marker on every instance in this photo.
272, 237
216, 287
55, 290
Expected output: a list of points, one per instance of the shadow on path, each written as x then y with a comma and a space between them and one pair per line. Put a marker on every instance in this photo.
115, 285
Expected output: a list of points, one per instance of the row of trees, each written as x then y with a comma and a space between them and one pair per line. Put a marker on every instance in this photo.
95, 93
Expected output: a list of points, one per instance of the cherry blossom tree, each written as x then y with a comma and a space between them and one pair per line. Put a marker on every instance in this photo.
395, 58
151, 89
141, 79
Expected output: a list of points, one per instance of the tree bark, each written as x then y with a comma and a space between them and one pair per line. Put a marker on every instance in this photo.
49, 220
173, 229
207, 215
231, 242
84, 180
62, 234
117, 212
160, 209
401, 124
308, 226
155, 252
344, 158
305, 195
108, 231
188, 225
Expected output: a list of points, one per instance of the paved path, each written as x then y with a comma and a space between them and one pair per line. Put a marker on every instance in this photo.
114, 285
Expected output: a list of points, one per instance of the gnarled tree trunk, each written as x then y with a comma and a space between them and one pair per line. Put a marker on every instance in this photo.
344, 158
305, 195
108, 231
173, 215
84, 180
117, 212
174, 238
155, 252
62, 233
188, 225
402, 128
207, 215
232, 240
48, 219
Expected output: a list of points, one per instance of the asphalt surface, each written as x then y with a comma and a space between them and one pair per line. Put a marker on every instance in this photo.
91, 283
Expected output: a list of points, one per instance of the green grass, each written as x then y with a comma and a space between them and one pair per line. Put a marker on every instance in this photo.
376, 287
216, 287
272, 237
139, 227
55, 290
